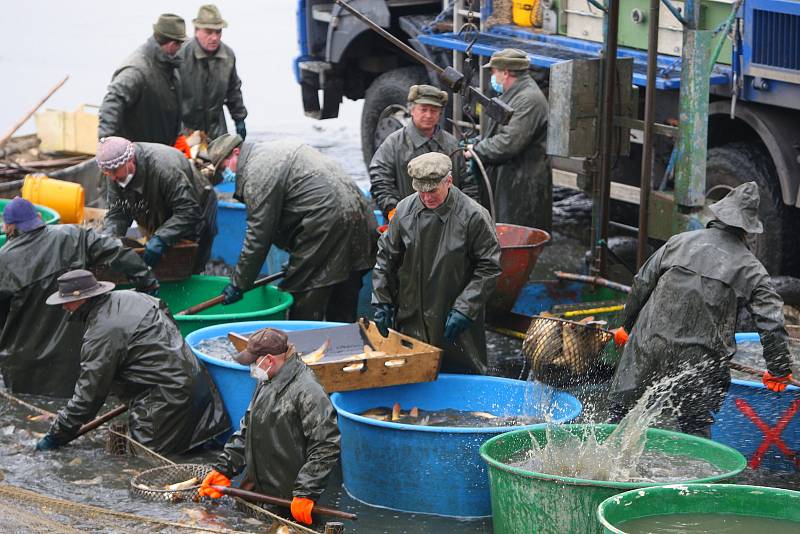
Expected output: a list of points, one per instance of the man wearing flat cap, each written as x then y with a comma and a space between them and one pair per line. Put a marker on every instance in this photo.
156, 186
288, 439
39, 348
681, 314
133, 349
388, 170
515, 154
437, 266
306, 204
143, 102
209, 79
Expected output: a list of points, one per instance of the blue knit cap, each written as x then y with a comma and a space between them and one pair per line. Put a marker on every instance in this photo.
22, 214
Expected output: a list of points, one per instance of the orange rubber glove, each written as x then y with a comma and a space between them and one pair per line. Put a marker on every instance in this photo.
183, 145
382, 228
620, 336
214, 478
776, 383
301, 509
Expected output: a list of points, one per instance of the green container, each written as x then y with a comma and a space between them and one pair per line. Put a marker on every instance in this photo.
265, 303
49, 216
525, 501
753, 501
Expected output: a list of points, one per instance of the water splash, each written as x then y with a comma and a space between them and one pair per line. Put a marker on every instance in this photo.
619, 456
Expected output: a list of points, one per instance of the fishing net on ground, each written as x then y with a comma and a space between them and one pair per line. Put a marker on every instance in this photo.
563, 353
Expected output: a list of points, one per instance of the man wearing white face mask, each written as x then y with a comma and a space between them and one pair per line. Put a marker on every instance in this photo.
156, 186
515, 154
288, 439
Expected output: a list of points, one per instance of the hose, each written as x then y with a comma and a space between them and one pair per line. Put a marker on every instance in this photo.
485, 182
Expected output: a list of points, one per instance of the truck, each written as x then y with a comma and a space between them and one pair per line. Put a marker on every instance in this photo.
753, 101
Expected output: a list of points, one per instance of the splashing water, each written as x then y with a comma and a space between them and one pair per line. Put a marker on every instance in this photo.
621, 456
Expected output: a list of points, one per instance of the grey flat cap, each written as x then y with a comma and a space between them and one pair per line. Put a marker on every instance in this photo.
509, 59
427, 94
428, 170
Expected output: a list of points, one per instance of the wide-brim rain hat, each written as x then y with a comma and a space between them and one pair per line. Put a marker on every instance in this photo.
739, 208
76, 285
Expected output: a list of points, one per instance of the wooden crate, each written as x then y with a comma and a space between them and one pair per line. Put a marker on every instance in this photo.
176, 264
406, 361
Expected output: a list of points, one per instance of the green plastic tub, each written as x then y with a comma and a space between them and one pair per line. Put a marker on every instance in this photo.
265, 303
753, 501
49, 216
526, 501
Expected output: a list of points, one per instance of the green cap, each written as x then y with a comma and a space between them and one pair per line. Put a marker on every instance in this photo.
209, 17
220, 148
739, 208
428, 170
509, 59
171, 26
427, 94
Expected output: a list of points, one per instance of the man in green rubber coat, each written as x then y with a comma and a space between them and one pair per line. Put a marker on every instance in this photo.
133, 349
156, 186
388, 170
143, 102
681, 314
306, 204
437, 266
515, 154
288, 439
209, 79
39, 348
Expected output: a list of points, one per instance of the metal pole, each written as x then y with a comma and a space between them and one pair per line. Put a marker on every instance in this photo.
649, 118
690, 170
607, 127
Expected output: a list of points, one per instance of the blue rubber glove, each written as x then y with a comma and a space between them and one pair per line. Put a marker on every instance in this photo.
231, 294
153, 250
456, 323
240, 129
47, 443
384, 318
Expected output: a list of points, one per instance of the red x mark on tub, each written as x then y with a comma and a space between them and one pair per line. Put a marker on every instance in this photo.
772, 435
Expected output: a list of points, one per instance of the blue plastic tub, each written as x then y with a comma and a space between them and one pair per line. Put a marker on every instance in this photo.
233, 381
434, 470
749, 410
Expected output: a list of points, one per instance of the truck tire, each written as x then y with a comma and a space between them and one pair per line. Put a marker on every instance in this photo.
389, 90
736, 163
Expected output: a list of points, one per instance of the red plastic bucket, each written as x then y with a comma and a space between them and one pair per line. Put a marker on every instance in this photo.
520, 247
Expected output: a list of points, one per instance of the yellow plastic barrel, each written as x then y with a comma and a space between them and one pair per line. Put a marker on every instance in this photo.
527, 13
67, 198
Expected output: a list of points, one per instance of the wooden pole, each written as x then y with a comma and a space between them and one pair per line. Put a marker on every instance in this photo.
91, 425
269, 499
28, 115
756, 372
197, 308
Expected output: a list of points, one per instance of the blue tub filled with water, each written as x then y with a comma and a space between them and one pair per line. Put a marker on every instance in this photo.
434, 469
761, 424
233, 381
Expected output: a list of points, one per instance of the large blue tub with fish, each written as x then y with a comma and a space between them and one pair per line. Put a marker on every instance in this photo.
436, 469
761, 424
233, 380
